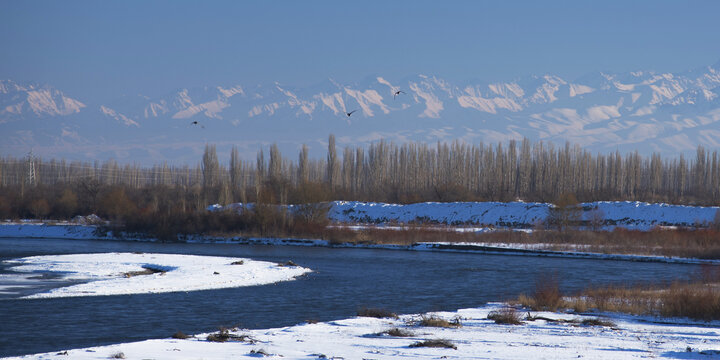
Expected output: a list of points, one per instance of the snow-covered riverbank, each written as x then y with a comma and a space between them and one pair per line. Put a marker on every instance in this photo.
515, 215
606, 214
628, 337
133, 273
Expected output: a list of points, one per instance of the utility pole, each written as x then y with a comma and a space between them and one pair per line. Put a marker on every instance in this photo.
31, 178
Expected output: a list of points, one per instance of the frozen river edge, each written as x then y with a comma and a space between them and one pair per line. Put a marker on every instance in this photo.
622, 337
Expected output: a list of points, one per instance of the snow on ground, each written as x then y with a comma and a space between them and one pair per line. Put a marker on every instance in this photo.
464, 216
519, 215
627, 214
63, 230
477, 338
42, 230
109, 273
513, 214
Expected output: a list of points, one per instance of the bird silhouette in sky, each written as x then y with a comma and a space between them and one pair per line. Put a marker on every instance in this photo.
395, 94
350, 113
197, 123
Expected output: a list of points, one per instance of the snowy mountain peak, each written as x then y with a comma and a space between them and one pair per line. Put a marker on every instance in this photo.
644, 110
17, 100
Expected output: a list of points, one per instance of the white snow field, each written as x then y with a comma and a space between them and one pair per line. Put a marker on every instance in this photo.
626, 214
468, 216
59, 230
519, 215
112, 273
477, 338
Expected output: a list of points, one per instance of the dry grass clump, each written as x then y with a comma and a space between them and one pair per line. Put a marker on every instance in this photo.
180, 335
145, 271
694, 243
506, 315
698, 301
395, 332
260, 352
547, 295
436, 321
403, 234
632, 300
437, 343
224, 335
598, 322
376, 313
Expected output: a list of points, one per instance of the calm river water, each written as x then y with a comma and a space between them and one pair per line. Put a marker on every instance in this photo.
343, 280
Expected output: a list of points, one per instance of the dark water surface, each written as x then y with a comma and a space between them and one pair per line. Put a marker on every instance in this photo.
343, 280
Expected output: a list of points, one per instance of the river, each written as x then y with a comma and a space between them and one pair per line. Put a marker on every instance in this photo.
342, 281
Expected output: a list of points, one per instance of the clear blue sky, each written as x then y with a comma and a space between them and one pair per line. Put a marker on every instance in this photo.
155, 47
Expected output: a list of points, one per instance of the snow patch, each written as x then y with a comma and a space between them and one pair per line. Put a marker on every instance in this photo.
472, 98
577, 89
107, 274
227, 93
433, 105
367, 98
117, 116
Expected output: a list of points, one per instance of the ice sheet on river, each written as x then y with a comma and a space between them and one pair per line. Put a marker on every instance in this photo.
122, 273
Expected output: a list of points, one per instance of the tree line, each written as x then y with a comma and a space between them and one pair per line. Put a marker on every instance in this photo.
405, 173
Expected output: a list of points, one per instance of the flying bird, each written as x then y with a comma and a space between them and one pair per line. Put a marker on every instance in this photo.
350, 113
395, 94
197, 123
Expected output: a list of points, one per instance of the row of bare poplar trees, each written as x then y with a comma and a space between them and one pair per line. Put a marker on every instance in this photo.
410, 172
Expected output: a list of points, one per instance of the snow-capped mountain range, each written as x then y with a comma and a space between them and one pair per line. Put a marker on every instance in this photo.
670, 113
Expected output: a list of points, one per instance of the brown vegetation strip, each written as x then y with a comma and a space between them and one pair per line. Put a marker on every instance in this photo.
698, 299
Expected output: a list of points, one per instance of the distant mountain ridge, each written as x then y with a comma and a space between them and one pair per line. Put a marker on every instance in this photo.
645, 111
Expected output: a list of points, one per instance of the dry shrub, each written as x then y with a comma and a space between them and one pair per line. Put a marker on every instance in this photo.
288, 263
437, 343
146, 271
578, 306
598, 322
695, 302
376, 313
397, 332
632, 300
408, 234
180, 335
260, 352
221, 336
682, 242
436, 321
506, 315
547, 294
224, 335
699, 301
526, 301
